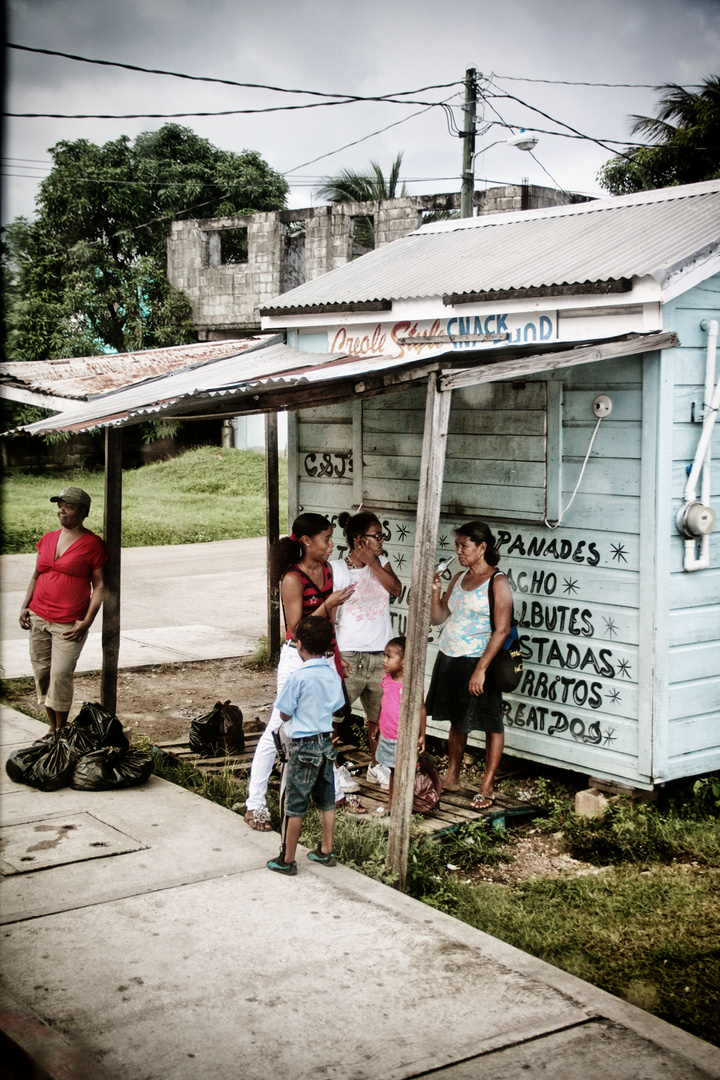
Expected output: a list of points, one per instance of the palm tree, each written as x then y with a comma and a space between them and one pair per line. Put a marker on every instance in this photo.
351, 186
685, 144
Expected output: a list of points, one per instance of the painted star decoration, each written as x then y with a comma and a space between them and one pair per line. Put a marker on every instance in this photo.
614, 696
399, 560
610, 626
610, 737
443, 541
624, 668
570, 585
618, 551
402, 532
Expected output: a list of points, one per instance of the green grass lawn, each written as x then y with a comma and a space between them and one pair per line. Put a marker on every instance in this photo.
206, 494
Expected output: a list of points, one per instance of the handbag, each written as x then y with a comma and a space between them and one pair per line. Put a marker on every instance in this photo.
506, 667
427, 787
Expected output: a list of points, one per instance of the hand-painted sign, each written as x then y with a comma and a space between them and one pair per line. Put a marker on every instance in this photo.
419, 338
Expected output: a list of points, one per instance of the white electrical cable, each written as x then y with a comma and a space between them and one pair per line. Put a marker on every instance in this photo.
582, 471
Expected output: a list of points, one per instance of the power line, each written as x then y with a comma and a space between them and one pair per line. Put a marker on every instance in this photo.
612, 86
218, 112
356, 142
224, 82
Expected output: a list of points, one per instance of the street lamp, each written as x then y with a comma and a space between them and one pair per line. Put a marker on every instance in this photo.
522, 141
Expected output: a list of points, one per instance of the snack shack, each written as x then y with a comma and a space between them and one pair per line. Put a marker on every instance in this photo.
576, 348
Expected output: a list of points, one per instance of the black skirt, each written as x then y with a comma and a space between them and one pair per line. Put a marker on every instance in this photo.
449, 697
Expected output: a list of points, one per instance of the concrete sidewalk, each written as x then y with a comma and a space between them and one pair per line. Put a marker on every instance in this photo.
145, 939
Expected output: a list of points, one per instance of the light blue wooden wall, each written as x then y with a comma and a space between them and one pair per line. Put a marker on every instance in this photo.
692, 600
593, 596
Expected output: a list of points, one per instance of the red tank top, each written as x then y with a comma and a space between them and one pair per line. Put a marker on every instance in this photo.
312, 598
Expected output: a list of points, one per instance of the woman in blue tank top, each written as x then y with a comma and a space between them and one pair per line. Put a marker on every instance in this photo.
459, 691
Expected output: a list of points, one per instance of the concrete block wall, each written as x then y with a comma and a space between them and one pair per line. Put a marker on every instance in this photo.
226, 299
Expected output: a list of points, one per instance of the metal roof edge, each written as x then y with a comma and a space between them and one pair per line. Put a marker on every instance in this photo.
610, 202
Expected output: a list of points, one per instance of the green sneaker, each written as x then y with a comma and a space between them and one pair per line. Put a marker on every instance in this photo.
318, 855
281, 867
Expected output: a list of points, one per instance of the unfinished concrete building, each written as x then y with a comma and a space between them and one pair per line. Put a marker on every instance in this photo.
231, 267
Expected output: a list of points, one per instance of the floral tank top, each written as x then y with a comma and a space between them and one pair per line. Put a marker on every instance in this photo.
467, 631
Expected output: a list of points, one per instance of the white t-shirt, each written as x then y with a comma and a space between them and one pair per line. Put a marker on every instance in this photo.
362, 623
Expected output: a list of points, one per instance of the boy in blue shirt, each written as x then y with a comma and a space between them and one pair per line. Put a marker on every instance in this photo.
307, 703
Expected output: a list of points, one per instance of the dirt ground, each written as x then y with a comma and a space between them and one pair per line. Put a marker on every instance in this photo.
160, 702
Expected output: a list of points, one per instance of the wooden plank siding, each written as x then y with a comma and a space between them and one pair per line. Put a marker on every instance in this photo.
693, 599
577, 588
622, 647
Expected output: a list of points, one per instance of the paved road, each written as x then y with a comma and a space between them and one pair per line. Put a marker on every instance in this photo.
181, 602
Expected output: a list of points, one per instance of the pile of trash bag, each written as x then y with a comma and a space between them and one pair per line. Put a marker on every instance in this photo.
218, 732
91, 753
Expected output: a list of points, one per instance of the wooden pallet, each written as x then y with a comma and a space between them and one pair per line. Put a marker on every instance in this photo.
453, 810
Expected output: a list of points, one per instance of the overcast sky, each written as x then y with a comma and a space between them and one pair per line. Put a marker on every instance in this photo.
369, 48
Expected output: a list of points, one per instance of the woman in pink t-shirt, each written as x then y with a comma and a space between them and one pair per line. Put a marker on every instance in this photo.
62, 599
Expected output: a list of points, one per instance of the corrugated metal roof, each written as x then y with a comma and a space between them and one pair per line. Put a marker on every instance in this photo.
276, 377
653, 232
83, 377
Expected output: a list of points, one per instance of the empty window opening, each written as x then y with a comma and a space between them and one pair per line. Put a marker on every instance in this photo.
362, 235
228, 247
294, 255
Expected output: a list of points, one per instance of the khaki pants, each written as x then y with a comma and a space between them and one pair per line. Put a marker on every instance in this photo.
53, 660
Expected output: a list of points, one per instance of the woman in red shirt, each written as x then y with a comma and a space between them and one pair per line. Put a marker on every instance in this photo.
62, 599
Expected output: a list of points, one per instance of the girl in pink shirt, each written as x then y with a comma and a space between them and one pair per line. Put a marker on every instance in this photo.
393, 663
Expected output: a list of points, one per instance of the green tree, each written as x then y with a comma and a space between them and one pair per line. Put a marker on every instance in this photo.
88, 274
351, 186
685, 144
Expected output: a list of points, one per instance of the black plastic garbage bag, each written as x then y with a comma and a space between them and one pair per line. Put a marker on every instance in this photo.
47, 764
19, 764
218, 732
94, 727
111, 768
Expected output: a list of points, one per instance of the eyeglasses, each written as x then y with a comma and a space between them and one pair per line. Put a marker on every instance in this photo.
373, 536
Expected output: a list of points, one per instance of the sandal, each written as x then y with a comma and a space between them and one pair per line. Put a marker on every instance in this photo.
259, 819
382, 811
352, 804
482, 802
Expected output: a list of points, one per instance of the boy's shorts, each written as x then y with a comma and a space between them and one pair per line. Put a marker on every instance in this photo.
310, 772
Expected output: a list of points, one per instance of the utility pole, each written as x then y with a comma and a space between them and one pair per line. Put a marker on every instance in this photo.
467, 189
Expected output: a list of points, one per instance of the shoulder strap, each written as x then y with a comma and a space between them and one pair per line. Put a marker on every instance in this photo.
491, 601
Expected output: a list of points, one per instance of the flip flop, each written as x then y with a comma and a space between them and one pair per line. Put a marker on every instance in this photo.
259, 820
482, 802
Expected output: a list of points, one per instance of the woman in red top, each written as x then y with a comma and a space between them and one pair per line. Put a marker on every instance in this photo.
62, 599
299, 561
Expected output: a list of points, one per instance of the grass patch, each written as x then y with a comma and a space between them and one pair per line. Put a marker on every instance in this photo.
210, 493
652, 939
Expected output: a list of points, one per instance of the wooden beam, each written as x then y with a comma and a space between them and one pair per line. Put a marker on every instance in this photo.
533, 365
272, 522
112, 526
437, 415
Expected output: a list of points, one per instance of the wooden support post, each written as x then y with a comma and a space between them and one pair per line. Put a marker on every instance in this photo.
112, 526
272, 520
437, 413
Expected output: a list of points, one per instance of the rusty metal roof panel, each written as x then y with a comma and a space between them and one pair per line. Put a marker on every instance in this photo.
237, 375
248, 383
651, 233
83, 377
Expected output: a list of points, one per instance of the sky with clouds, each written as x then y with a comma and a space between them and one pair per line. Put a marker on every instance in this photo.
378, 47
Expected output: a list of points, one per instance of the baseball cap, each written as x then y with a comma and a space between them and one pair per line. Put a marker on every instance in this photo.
73, 495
